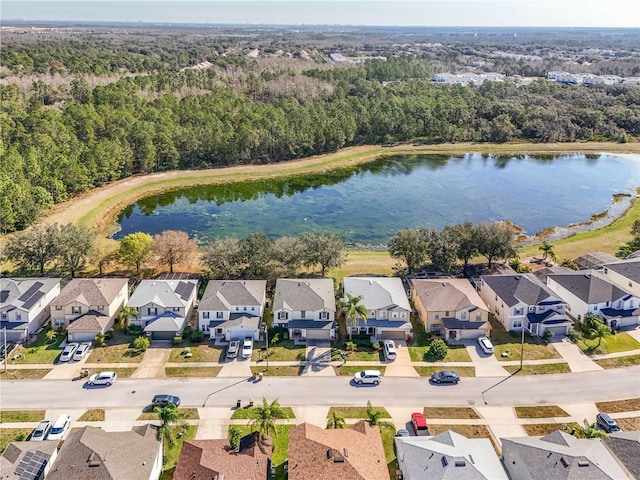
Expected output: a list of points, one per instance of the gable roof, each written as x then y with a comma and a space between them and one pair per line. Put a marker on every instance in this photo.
354, 453
26, 460
377, 292
90, 452
166, 322
91, 320
454, 294
594, 259
165, 293
313, 294
91, 291
626, 447
519, 288
24, 293
222, 295
589, 286
627, 268
210, 459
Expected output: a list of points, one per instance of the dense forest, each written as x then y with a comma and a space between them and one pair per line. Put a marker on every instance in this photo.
60, 140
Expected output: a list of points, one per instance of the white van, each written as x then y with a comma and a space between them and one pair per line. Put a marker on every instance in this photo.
368, 376
60, 427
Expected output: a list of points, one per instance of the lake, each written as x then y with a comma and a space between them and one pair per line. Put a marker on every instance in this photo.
368, 204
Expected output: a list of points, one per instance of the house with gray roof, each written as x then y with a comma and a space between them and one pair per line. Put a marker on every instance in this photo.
28, 460
589, 291
24, 305
522, 301
388, 308
450, 307
232, 309
306, 306
162, 307
92, 453
594, 260
626, 447
87, 307
625, 274
448, 455
559, 456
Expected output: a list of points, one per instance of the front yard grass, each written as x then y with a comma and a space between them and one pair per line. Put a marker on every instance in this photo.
542, 369
8, 435
620, 342
250, 413
619, 362
280, 446
363, 354
540, 411
117, 349
187, 414
469, 431
93, 415
171, 453
510, 343
192, 371
351, 370
204, 352
456, 353
356, 412
462, 371
284, 351
39, 351
279, 370
542, 429
388, 434
450, 412
17, 416
630, 424
630, 405
25, 374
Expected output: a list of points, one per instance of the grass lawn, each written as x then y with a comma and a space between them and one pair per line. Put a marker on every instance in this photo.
279, 370
542, 369
469, 431
620, 342
462, 371
192, 371
356, 412
8, 435
351, 370
25, 374
94, 415
280, 446
39, 351
450, 412
630, 405
118, 349
630, 424
377, 263
16, 416
187, 414
171, 454
540, 411
200, 352
388, 433
284, 351
542, 429
250, 413
510, 343
364, 354
619, 362
456, 353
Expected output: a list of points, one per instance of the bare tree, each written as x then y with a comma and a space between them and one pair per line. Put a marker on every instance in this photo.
172, 247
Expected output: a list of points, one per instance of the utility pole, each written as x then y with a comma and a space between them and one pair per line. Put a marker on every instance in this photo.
6, 360
522, 345
266, 333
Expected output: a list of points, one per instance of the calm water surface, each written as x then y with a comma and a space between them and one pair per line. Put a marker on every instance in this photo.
369, 204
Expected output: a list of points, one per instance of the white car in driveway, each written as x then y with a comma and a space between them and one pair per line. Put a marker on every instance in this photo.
103, 378
67, 353
247, 347
81, 351
60, 427
485, 344
390, 352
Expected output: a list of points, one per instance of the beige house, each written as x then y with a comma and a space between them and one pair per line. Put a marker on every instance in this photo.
450, 307
89, 306
625, 274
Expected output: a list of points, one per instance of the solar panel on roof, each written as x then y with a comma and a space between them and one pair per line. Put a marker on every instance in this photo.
4, 294
184, 290
32, 301
32, 289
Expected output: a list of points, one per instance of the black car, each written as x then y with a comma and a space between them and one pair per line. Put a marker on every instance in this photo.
445, 376
607, 423
163, 400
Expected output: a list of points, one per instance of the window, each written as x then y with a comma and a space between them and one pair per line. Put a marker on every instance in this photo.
237, 309
496, 298
303, 314
152, 311
478, 317
540, 309
18, 316
100, 308
58, 307
606, 270
244, 309
253, 309
437, 317
324, 315
219, 315
394, 314
59, 322
607, 304
4, 315
283, 315
205, 328
463, 315
531, 309
205, 315
75, 309
218, 331
517, 324
176, 309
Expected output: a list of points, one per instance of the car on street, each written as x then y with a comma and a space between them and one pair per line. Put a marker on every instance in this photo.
103, 378
41, 431
162, 400
419, 424
368, 376
607, 423
60, 427
67, 353
390, 350
232, 351
247, 347
445, 376
485, 344
81, 351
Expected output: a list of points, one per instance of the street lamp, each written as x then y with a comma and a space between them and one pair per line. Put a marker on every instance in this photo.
522, 344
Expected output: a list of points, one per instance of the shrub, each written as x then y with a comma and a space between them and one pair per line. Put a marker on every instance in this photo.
547, 334
177, 340
197, 336
351, 346
141, 343
134, 329
99, 340
277, 334
438, 349
376, 346
574, 335
108, 334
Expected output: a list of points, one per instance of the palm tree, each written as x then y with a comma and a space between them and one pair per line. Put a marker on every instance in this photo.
125, 315
169, 415
336, 421
547, 249
600, 330
265, 416
374, 414
587, 431
353, 311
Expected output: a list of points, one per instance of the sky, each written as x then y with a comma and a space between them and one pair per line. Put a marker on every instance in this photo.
464, 13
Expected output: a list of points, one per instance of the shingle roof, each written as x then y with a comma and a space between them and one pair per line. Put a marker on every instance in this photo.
627, 268
222, 295
626, 447
455, 324
249, 322
166, 293
91, 291
25, 292
378, 292
309, 294
91, 320
589, 286
19, 458
354, 453
166, 322
443, 295
513, 289
594, 259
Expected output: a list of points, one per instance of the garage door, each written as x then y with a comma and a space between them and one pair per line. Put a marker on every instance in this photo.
81, 336
162, 335
558, 330
393, 335
318, 334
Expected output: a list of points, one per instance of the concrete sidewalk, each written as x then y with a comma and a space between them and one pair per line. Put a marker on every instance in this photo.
577, 360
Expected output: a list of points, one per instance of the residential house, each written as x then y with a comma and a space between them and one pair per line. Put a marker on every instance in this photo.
87, 307
306, 306
589, 291
213, 459
522, 301
626, 447
24, 305
594, 260
388, 308
625, 274
559, 456
162, 307
232, 309
28, 460
354, 453
92, 453
451, 307
448, 455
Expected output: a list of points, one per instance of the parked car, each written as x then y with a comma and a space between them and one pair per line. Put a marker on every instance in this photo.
445, 376
390, 350
247, 347
60, 427
67, 353
419, 424
607, 423
368, 376
41, 431
232, 351
162, 400
7, 348
485, 345
103, 378
81, 351
403, 432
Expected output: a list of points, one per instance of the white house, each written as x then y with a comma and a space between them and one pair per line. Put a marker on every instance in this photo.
306, 306
232, 309
24, 304
625, 274
388, 308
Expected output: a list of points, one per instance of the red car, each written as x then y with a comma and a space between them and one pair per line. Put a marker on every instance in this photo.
419, 424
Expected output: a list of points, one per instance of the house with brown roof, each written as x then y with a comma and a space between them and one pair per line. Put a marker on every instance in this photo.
28, 460
450, 307
89, 306
213, 459
354, 453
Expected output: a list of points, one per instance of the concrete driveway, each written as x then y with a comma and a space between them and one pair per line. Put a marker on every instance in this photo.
154, 360
486, 365
401, 366
578, 361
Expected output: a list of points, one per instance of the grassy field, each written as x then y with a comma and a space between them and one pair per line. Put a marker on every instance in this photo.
630, 424
39, 351
543, 369
619, 362
284, 351
199, 353
250, 413
630, 405
192, 371
620, 342
450, 412
469, 431
542, 429
25, 374
510, 343
8, 435
18, 416
118, 349
540, 411
462, 371
94, 415
356, 412
456, 353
